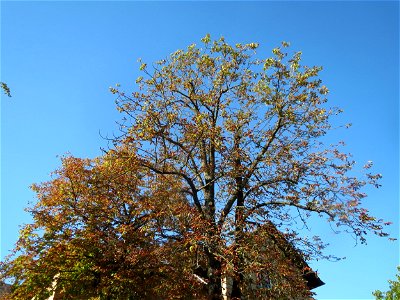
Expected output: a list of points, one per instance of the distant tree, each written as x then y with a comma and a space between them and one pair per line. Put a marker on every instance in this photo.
244, 135
394, 290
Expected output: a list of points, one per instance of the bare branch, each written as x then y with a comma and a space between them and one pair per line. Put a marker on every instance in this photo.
283, 203
188, 180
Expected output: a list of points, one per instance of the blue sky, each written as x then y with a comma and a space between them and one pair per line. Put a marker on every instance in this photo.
59, 58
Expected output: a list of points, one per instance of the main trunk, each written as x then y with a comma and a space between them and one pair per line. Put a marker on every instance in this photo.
214, 276
239, 223
214, 269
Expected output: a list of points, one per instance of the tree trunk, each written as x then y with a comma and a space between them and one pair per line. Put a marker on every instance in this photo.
236, 289
214, 276
239, 222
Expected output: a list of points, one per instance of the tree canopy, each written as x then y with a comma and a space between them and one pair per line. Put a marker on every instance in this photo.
220, 154
99, 230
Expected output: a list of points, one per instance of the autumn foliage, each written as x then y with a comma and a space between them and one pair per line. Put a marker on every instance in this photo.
220, 153
99, 228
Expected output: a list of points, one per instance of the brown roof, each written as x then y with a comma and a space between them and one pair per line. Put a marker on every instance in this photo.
287, 248
5, 289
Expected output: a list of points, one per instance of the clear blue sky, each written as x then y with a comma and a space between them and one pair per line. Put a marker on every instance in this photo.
59, 58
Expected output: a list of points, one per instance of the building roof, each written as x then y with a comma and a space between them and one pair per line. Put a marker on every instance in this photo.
294, 255
5, 289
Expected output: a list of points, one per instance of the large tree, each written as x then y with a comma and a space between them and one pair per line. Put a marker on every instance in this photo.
220, 154
245, 136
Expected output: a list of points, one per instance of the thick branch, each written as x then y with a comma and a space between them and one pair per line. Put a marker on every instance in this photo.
189, 155
188, 180
264, 150
227, 209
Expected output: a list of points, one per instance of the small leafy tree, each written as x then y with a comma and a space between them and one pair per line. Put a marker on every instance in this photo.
394, 290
